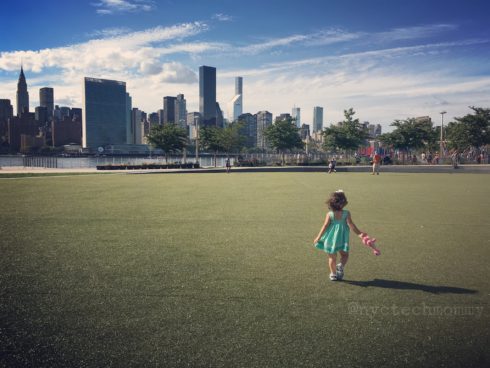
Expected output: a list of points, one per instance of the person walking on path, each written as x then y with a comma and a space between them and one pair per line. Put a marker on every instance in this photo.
331, 166
376, 163
228, 165
334, 234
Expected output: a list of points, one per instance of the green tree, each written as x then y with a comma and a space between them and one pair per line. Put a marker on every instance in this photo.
283, 136
231, 137
347, 135
169, 137
471, 130
210, 140
410, 134
225, 139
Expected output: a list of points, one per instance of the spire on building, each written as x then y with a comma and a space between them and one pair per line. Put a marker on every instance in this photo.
22, 93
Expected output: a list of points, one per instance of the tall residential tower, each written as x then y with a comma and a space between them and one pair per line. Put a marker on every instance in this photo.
207, 95
296, 113
235, 107
46, 99
317, 119
169, 110
181, 111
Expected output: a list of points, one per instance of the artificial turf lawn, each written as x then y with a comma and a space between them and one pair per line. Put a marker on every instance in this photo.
217, 270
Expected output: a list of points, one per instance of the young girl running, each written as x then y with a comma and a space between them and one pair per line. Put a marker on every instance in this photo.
334, 234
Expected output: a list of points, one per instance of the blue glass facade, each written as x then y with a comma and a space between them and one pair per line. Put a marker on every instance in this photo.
207, 94
105, 113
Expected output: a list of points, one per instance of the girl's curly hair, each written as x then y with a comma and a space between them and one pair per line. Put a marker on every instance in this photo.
337, 201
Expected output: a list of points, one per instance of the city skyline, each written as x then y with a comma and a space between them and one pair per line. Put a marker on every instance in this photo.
386, 60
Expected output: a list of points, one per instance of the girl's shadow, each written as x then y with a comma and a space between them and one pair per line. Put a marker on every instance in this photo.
401, 285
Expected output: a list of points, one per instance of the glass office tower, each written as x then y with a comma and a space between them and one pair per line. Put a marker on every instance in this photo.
207, 95
46, 99
317, 119
104, 120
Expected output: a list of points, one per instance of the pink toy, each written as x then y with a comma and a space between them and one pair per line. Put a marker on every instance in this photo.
371, 243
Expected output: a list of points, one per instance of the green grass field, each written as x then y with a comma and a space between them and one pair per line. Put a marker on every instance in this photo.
217, 270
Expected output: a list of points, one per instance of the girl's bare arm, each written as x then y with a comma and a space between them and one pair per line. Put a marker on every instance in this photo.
353, 226
324, 227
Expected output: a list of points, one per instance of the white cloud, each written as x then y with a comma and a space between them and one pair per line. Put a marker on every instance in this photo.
106, 7
334, 35
223, 17
134, 57
176, 73
109, 32
381, 84
150, 67
323, 37
416, 32
122, 52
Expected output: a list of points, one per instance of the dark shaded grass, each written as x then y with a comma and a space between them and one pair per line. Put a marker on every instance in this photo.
216, 270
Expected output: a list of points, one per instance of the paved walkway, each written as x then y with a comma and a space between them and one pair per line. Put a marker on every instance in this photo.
480, 169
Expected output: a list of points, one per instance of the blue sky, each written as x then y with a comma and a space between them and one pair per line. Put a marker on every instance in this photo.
386, 59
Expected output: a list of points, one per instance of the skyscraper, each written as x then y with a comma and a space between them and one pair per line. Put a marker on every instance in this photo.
153, 119
138, 125
283, 116
207, 95
104, 113
22, 94
41, 114
264, 119
249, 129
6, 113
317, 119
169, 110
76, 113
193, 120
64, 111
297, 116
220, 121
181, 111
46, 99
235, 107
6, 110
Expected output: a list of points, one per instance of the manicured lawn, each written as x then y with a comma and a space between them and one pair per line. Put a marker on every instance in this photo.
217, 270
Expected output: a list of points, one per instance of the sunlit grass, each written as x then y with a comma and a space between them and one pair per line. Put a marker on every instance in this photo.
218, 270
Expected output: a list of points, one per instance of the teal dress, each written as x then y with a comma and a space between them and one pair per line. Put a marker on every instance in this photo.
336, 237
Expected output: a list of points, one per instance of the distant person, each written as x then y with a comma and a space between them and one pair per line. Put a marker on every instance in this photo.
454, 159
480, 159
414, 160
429, 158
331, 166
436, 159
376, 163
228, 165
334, 234
422, 157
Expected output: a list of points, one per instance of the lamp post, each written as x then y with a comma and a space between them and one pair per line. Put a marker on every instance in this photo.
441, 146
197, 141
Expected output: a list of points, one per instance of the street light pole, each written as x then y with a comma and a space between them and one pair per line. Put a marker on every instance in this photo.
197, 142
441, 145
